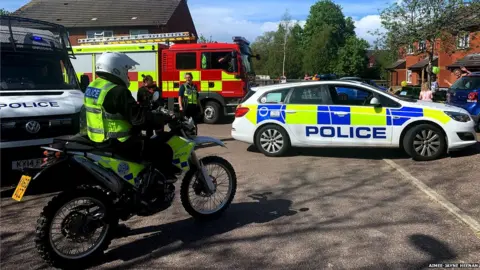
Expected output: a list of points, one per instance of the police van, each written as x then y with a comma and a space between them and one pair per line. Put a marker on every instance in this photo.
40, 97
316, 114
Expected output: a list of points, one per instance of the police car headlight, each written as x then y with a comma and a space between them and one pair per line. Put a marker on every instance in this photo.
460, 117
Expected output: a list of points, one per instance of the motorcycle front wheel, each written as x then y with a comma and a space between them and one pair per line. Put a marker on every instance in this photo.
75, 228
196, 202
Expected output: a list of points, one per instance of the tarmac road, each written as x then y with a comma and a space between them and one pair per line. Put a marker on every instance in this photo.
319, 209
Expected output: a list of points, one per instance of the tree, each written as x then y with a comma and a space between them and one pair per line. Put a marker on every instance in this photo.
294, 64
325, 20
411, 21
263, 46
4, 11
203, 39
320, 55
286, 25
352, 57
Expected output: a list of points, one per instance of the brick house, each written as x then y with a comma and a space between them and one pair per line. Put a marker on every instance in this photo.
411, 67
107, 18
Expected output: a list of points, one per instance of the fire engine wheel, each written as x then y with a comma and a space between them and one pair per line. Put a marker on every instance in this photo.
211, 113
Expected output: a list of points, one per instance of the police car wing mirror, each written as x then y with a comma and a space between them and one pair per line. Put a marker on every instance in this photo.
257, 56
375, 102
156, 96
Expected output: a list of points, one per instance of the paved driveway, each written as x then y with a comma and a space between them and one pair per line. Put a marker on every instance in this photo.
319, 209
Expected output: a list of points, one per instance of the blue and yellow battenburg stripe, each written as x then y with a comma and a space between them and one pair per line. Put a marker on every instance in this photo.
182, 149
340, 115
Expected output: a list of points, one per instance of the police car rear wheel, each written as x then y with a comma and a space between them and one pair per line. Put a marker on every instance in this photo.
272, 141
424, 142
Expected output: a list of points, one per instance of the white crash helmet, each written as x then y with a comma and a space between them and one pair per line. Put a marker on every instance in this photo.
117, 64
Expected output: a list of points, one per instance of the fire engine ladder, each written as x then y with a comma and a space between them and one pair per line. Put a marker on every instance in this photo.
145, 38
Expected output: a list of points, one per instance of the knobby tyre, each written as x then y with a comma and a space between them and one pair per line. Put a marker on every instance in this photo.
44, 244
190, 181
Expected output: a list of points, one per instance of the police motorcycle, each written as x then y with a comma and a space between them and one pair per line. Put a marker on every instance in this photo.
78, 225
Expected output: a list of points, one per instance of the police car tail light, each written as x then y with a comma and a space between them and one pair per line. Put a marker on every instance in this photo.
241, 111
472, 97
460, 117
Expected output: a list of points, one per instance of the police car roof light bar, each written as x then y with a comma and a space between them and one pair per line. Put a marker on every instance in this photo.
144, 37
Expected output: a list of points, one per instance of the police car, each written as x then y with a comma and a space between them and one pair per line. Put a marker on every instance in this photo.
313, 114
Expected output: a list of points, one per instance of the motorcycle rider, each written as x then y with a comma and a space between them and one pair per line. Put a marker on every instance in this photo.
114, 117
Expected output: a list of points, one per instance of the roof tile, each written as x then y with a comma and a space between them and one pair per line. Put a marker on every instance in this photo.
79, 13
471, 60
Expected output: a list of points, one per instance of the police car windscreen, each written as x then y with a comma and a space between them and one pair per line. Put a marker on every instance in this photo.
35, 71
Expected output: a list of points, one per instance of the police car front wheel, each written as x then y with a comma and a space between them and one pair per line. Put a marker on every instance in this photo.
272, 140
424, 142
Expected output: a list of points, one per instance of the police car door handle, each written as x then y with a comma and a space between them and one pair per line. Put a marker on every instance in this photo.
290, 111
396, 117
341, 114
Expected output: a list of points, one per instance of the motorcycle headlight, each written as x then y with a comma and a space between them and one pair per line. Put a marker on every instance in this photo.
460, 117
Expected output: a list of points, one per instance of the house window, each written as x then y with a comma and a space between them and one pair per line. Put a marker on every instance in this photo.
409, 76
422, 46
409, 49
186, 60
99, 34
137, 32
463, 41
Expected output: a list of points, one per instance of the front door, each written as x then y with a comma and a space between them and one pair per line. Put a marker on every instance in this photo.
355, 121
307, 115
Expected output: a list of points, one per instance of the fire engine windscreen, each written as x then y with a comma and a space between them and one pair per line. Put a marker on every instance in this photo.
30, 70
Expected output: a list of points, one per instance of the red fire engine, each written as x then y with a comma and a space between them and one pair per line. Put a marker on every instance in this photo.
221, 71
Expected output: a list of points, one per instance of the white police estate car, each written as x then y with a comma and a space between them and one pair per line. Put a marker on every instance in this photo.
319, 114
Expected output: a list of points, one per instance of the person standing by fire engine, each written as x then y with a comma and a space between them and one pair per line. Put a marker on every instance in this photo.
145, 95
188, 99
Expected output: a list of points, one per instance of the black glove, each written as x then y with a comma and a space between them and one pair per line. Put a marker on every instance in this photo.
181, 113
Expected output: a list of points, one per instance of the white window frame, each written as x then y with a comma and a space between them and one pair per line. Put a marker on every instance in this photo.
409, 49
409, 76
463, 41
99, 33
137, 32
422, 46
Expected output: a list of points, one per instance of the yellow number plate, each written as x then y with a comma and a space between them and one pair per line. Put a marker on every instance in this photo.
21, 188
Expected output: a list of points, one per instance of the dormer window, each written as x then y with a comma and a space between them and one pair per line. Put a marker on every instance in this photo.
409, 49
422, 46
463, 40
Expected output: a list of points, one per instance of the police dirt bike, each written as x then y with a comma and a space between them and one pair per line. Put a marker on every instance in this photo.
78, 225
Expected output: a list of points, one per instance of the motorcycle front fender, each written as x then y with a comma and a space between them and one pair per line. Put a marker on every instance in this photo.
201, 140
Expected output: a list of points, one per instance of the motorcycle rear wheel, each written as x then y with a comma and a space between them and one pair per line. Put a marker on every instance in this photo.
190, 183
44, 236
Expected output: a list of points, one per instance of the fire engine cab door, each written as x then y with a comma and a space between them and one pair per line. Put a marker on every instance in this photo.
214, 65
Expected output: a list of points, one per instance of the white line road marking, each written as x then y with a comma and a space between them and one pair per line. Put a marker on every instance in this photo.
472, 223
